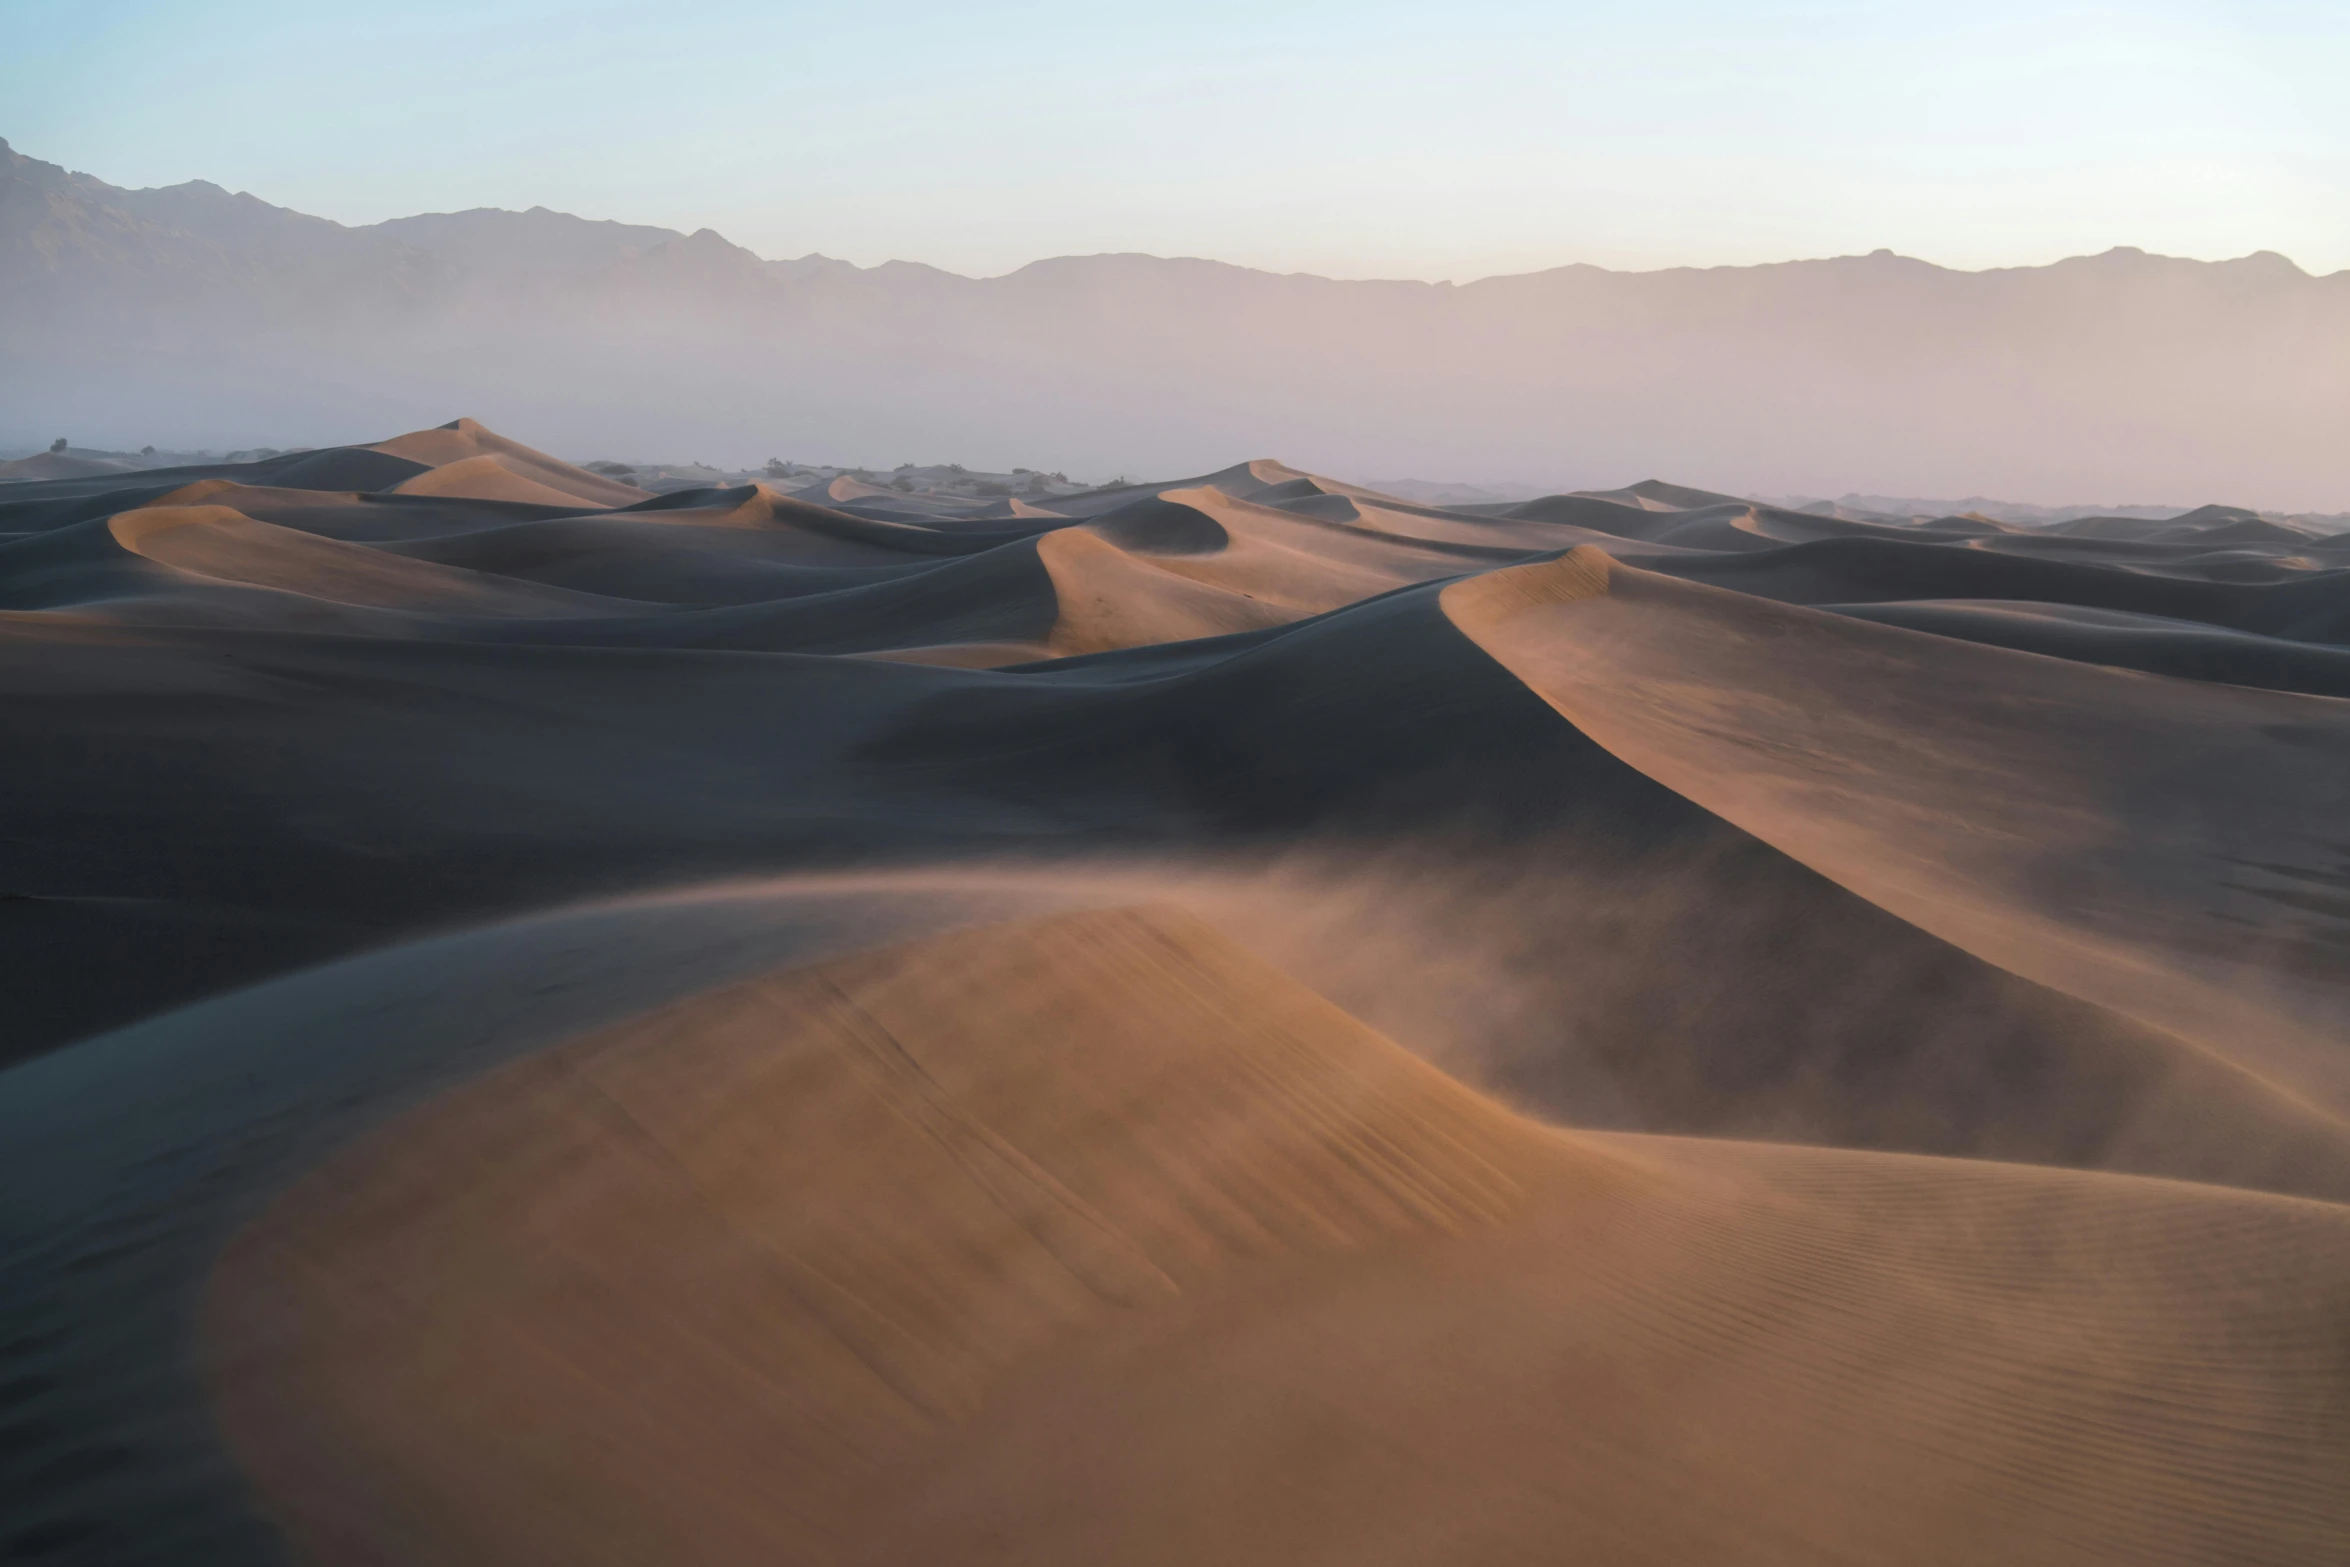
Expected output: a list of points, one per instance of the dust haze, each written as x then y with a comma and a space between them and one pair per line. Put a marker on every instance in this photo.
188, 316
657, 983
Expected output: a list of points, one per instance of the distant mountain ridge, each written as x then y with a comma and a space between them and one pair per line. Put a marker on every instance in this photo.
197, 316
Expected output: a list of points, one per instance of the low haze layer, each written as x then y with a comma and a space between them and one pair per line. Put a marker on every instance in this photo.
1236, 1018
188, 316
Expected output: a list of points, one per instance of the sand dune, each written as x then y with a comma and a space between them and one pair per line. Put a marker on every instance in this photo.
1094, 1239
1237, 1018
1997, 799
465, 459
220, 542
2156, 644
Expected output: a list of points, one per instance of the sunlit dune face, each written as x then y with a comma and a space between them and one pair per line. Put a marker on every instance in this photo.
773, 1017
1092, 1238
766, 1241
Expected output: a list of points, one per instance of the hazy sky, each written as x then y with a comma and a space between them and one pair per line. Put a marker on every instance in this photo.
1359, 139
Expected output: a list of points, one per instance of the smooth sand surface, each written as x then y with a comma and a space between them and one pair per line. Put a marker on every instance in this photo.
2053, 817
462, 458
1226, 1019
1094, 1239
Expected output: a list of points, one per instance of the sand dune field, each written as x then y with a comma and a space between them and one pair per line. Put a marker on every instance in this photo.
1239, 1019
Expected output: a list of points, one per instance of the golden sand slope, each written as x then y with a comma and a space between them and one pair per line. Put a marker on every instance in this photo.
1106, 597
2135, 841
1092, 1240
225, 545
468, 459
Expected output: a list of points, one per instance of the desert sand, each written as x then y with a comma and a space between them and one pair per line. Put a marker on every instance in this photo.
1235, 1019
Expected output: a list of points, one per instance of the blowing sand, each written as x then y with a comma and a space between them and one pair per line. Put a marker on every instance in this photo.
1234, 1020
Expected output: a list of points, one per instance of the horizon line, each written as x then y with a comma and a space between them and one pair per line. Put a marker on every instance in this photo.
1879, 253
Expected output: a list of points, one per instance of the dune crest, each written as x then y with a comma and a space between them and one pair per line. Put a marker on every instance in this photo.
1109, 598
1022, 1240
470, 460
888, 1180
1978, 792
1234, 1018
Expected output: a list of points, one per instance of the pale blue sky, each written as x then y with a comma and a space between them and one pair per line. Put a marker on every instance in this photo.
1356, 140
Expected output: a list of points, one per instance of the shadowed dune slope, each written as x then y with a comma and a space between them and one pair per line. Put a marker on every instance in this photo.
218, 542
1236, 1018
1639, 961
2177, 582
2155, 644
2127, 840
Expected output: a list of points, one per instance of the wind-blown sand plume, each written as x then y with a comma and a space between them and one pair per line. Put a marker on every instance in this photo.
1238, 1018
852, 1197
1995, 798
1093, 1240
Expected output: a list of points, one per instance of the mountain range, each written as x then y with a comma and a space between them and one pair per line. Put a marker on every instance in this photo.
193, 316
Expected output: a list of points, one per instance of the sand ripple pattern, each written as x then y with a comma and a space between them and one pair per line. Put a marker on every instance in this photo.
1235, 1018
